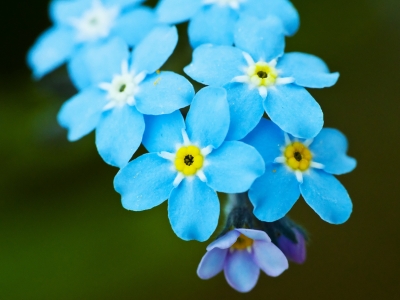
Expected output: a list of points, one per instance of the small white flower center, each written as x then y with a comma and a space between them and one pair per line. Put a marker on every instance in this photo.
96, 22
232, 3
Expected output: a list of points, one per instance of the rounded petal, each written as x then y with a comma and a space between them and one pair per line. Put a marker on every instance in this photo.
164, 132
245, 108
78, 70
213, 24
163, 93
145, 182
119, 135
134, 25
241, 272
274, 193
207, 121
225, 241
81, 114
215, 65
193, 210
154, 50
212, 263
53, 48
233, 167
326, 196
256, 235
307, 70
177, 11
294, 110
62, 11
268, 139
262, 39
329, 148
269, 258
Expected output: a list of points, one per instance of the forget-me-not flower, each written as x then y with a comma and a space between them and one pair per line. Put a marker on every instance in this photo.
241, 253
124, 86
187, 164
297, 166
213, 21
79, 23
257, 78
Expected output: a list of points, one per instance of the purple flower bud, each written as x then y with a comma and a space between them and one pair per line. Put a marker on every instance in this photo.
295, 252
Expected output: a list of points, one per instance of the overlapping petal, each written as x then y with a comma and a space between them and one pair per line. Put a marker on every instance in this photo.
62, 11
225, 241
256, 235
269, 258
212, 263
177, 11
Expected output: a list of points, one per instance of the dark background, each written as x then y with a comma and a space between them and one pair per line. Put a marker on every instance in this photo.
65, 235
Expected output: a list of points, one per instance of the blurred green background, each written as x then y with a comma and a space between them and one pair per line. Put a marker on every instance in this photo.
64, 234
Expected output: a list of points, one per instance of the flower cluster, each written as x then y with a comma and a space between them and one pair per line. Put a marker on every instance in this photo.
114, 50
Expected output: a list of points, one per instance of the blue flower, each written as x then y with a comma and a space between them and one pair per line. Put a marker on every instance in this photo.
123, 87
296, 166
257, 78
213, 21
80, 23
241, 253
187, 164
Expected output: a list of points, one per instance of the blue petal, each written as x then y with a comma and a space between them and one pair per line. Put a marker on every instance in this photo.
326, 196
274, 193
245, 108
53, 48
269, 258
263, 40
62, 11
268, 139
207, 121
122, 3
225, 241
233, 167
119, 134
163, 133
212, 263
77, 68
240, 270
154, 50
177, 11
294, 110
134, 25
163, 93
307, 70
193, 210
212, 24
81, 114
283, 9
215, 65
145, 182
329, 148
254, 234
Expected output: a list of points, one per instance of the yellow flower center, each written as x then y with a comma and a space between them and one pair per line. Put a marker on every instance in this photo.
298, 156
242, 242
262, 74
189, 160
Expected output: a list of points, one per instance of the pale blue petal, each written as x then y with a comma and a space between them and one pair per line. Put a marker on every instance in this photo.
177, 11
283, 9
53, 48
215, 65
256, 235
326, 196
241, 272
122, 3
329, 148
163, 133
163, 93
268, 139
81, 114
262, 39
62, 11
212, 263
78, 69
193, 210
233, 167
119, 135
145, 182
245, 108
274, 193
269, 258
213, 24
307, 70
225, 241
134, 25
207, 121
154, 50
294, 110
